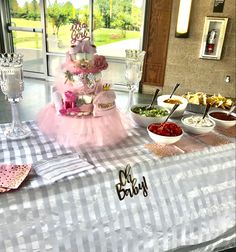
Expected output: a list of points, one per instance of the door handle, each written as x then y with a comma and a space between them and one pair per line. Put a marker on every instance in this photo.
25, 29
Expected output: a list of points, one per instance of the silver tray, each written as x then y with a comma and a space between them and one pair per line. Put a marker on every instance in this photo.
199, 109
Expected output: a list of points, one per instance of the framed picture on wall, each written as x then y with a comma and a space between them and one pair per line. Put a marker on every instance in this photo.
213, 37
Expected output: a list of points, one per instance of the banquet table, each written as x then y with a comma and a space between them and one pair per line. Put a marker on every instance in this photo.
70, 200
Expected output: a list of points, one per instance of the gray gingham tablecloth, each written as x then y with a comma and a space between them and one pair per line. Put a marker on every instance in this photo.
190, 202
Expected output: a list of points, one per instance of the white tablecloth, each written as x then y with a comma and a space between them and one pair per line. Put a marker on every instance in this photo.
190, 204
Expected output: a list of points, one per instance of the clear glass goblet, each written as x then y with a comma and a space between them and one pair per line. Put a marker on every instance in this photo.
133, 72
12, 85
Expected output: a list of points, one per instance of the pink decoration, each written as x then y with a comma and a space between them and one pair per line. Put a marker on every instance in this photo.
83, 122
63, 111
104, 103
11, 176
69, 100
73, 110
79, 32
84, 46
69, 96
82, 131
99, 64
69, 65
69, 106
86, 108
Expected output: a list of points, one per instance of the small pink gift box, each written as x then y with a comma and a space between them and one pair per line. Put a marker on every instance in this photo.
69, 99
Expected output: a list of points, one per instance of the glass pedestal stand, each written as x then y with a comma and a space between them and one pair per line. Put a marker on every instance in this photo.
133, 73
17, 130
12, 85
130, 102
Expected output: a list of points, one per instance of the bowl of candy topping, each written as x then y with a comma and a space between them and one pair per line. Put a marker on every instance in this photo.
165, 133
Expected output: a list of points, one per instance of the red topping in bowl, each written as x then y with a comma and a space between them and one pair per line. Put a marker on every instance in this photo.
165, 129
222, 116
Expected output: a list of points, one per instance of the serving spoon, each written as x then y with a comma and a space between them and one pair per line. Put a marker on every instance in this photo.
153, 99
176, 86
208, 106
171, 112
231, 110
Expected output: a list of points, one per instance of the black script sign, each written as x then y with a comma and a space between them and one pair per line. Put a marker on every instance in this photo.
128, 185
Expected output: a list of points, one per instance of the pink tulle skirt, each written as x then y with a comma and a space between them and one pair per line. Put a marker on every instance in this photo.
82, 131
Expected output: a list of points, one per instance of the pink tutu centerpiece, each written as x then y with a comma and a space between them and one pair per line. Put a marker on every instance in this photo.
83, 110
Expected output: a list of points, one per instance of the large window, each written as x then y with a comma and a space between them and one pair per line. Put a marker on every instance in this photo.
114, 25
25, 15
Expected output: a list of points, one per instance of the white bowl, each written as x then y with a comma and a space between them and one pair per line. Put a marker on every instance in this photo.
144, 121
164, 139
180, 110
197, 128
222, 123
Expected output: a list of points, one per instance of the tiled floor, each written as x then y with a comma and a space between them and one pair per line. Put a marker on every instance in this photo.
37, 94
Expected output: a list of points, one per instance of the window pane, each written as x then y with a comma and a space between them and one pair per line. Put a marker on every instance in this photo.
59, 18
30, 45
54, 65
114, 74
117, 26
27, 14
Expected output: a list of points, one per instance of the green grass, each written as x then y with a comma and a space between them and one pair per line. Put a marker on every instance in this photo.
105, 36
102, 36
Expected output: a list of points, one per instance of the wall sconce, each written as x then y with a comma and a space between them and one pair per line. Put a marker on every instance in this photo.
182, 28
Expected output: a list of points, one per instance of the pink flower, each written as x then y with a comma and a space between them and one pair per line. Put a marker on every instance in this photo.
99, 63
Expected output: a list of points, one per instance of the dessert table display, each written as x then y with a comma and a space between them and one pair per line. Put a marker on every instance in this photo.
132, 196
82, 181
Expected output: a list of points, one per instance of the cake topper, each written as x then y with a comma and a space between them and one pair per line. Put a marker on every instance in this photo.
79, 32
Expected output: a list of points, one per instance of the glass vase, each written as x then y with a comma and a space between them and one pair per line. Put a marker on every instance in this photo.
133, 72
12, 85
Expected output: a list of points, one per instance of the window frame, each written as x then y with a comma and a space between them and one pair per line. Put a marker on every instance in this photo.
8, 38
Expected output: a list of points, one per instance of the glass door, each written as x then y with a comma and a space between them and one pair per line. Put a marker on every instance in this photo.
41, 31
26, 27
